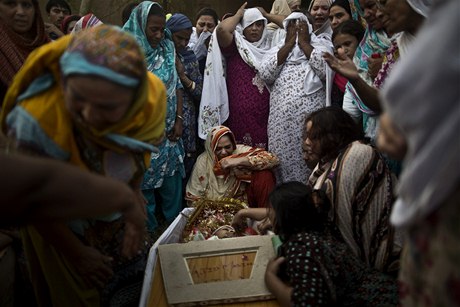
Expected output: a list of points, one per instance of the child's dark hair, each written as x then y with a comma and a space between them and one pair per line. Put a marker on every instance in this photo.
351, 27
58, 3
207, 11
297, 208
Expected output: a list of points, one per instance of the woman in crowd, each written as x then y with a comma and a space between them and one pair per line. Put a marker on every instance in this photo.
345, 38
368, 60
428, 208
206, 21
358, 184
237, 96
319, 10
296, 73
339, 11
230, 170
164, 176
87, 99
68, 23
192, 81
22, 29
316, 269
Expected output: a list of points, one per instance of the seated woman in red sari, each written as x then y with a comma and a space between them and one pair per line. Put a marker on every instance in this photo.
228, 170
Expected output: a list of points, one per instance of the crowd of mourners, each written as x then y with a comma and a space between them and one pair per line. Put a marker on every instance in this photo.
333, 122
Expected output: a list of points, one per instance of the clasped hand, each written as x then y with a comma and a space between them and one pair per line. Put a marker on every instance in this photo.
297, 29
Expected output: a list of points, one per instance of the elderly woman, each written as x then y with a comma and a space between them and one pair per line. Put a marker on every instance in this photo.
87, 99
230, 170
358, 184
296, 73
164, 176
189, 74
22, 29
237, 95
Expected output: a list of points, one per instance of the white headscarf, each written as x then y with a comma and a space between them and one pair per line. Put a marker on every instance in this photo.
422, 7
406, 39
252, 53
312, 83
197, 43
214, 98
423, 99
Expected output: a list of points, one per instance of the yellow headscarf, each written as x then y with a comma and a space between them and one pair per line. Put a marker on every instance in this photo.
144, 120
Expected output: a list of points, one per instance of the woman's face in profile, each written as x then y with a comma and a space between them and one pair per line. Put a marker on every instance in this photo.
17, 14
311, 147
96, 102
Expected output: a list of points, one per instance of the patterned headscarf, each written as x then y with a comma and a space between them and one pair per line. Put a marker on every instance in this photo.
120, 60
161, 59
105, 51
14, 47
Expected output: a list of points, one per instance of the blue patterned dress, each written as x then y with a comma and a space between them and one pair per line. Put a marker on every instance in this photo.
167, 166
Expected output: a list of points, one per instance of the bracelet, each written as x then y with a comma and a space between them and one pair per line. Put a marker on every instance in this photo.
190, 85
180, 117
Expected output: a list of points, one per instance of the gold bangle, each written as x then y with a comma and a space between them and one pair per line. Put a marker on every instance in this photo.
180, 117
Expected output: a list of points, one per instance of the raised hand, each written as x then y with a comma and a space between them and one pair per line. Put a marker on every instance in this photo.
291, 33
303, 33
343, 65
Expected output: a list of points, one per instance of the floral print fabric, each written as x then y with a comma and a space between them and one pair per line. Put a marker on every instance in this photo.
289, 106
324, 272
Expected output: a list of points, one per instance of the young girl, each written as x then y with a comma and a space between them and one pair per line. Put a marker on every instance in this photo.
346, 37
315, 268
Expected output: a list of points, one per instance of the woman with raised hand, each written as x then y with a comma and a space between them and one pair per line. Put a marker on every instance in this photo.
296, 74
237, 95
